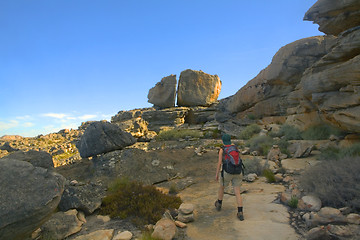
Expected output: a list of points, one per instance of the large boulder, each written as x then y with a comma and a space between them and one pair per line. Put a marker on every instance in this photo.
197, 88
28, 197
102, 137
164, 93
334, 16
36, 158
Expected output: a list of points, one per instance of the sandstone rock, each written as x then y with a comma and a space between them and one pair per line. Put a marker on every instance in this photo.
274, 154
86, 198
36, 158
136, 126
126, 235
327, 215
165, 117
186, 208
180, 224
165, 229
197, 88
186, 218
164, 93
200, 115
62, 225
280, 77
251, 177
300, 149
312, 203
353, 218
28, 196
317, 233
334, 16
103, 137
106, 234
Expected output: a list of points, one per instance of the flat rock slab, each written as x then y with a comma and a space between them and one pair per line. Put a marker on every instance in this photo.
298, 164
264, 219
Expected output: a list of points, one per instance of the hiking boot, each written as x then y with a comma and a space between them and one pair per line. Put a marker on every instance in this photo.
217, 205
240, 216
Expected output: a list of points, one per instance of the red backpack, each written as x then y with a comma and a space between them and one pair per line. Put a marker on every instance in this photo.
232, 162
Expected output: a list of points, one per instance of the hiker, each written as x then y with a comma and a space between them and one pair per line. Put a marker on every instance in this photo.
226, 178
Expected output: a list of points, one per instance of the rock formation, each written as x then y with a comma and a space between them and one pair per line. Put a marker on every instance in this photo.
312, 80
197, 88
103, 137
334, 16
28, 196
164, 93
36, 158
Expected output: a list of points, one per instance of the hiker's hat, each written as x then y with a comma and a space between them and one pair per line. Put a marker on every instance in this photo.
226, 138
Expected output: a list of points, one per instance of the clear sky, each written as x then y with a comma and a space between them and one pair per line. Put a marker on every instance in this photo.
63, 62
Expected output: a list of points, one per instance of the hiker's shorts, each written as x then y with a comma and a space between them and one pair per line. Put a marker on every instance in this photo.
235, 179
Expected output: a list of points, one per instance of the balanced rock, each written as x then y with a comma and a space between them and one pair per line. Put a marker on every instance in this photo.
28, 197
334, 16
197, 88
102, 137
164, 93
36, 158
164, 229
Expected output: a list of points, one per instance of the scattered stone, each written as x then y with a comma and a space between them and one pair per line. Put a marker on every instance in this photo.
106, 234
186, 218
312, 203
105, 219
251, 177
186, 208
317, 233
126, 235
180, 224
353, 218
164, 229
62, 225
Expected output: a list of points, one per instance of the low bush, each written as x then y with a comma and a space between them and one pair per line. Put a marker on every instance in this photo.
335, 182
253, 166
334, 153
293, 202
176, 134
320, 132
142, 204
214, 134
261, 144
287, 132
249, 131
269, 175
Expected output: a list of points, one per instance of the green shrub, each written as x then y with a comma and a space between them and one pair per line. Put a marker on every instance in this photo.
287, 132
249, 131
334, 153
262, 144
252, 166
251, 116
173, 189
269, 175
176, 134
335, 182
214, 134
320, 132
147, 236
142, 204
293, 202
283, 145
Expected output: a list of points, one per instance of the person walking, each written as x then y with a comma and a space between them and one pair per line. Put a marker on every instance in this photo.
229, 173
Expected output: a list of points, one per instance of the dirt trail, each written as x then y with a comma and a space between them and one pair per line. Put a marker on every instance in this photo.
264, 219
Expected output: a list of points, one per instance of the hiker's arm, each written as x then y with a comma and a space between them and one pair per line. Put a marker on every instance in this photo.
219, 164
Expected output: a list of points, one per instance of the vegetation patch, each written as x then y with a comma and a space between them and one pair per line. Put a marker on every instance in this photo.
269, 175
287, 132
142, 204
335, 153
293, 202
335, 182
249, 131
320, 132
176, 134
253, 166
261, 144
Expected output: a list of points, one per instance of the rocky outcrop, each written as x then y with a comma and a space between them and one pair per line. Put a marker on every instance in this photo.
164, 93
197, 88
36, 158
334, 16
102, 137
28, 196
312, 80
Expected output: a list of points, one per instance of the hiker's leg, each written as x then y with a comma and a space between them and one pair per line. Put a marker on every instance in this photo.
221, 192
238, 196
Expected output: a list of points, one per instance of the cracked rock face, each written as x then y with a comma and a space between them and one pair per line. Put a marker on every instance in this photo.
28, 196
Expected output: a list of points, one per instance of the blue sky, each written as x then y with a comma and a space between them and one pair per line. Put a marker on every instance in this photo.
68, 61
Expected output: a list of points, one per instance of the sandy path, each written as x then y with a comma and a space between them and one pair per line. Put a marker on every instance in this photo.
263, 218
